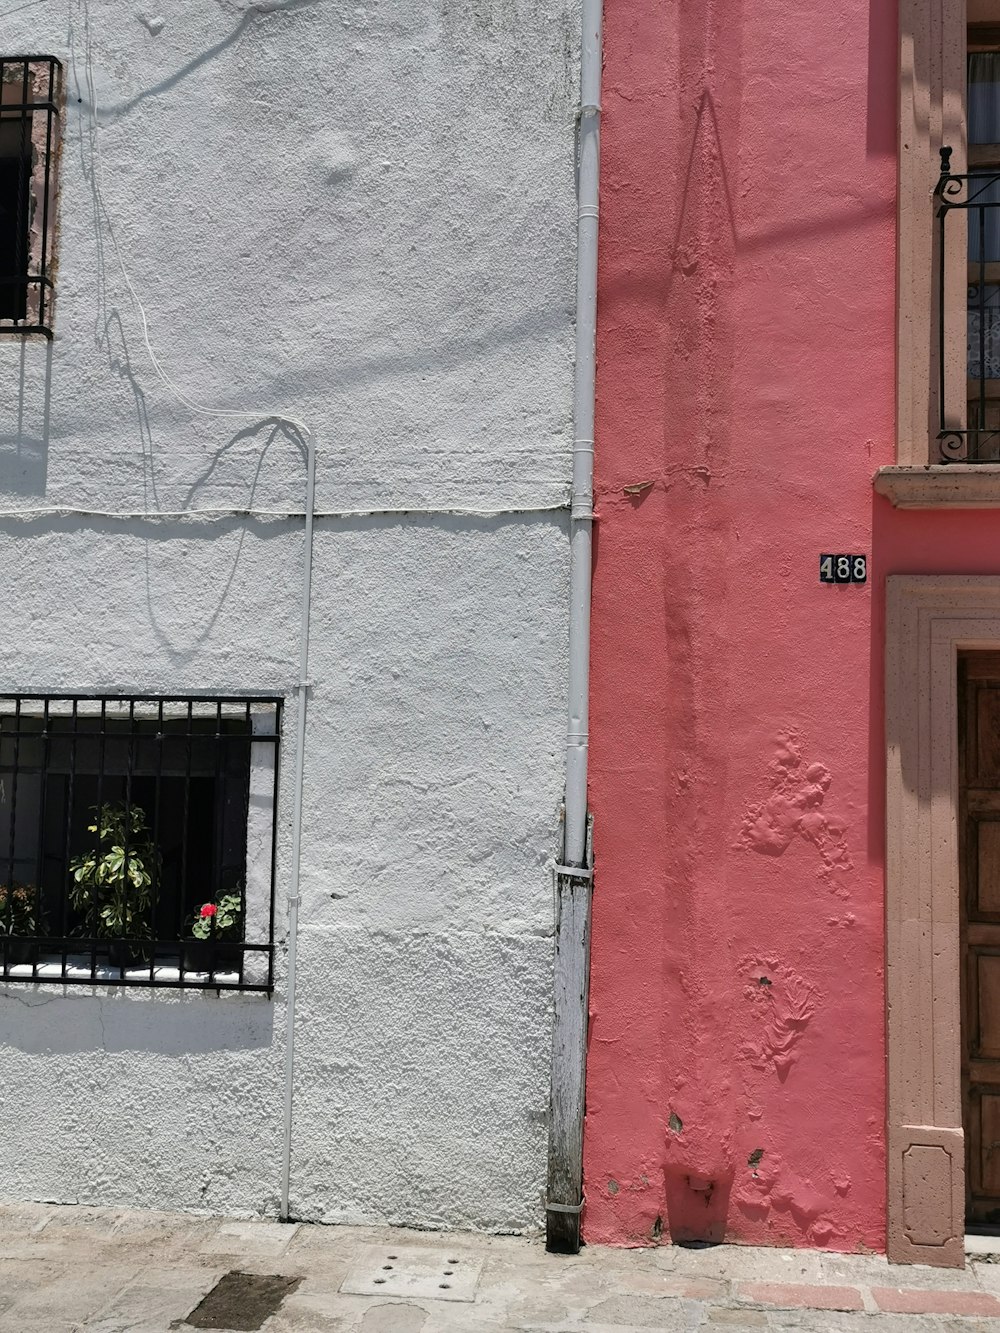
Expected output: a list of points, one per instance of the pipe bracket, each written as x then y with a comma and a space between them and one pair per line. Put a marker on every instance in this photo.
574, 872
575, 1208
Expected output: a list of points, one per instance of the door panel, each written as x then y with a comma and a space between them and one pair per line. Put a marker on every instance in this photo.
985, 1028
979, 861
987, 769
988, 866
989, 1137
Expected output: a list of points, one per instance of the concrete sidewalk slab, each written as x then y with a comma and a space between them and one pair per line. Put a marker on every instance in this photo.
70, 1270
269, 1239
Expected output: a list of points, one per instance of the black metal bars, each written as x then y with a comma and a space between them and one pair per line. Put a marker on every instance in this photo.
137, 839
30, 95
969, 421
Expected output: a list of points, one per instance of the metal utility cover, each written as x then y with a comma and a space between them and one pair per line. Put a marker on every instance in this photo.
404, 1270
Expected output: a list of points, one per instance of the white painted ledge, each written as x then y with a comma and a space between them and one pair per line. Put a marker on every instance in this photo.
78, 969
941, 486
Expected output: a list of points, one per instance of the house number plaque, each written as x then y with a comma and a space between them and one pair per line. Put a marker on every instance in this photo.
843, 569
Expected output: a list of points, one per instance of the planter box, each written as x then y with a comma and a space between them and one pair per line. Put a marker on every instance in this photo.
212, 956
124, 954
21, 951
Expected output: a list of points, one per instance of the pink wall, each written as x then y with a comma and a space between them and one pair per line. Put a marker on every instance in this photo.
746, 346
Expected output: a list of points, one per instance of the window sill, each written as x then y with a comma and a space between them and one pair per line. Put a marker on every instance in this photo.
79, 972
941, 486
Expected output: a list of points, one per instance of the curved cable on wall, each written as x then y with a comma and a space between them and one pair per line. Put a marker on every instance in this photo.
306, 441
302, 435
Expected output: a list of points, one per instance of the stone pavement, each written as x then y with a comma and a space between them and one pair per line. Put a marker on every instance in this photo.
64, 1269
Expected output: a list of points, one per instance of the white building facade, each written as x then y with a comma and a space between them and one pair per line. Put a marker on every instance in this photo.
280, 227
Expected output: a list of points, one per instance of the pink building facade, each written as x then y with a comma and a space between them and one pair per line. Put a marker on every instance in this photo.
777, 1048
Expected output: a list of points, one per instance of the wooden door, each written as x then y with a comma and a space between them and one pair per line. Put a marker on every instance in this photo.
979, 856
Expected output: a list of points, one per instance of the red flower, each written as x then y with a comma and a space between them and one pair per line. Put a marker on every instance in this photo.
209, 909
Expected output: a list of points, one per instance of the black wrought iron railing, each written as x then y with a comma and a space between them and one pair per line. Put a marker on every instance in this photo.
969, 412
30, 95
137, 840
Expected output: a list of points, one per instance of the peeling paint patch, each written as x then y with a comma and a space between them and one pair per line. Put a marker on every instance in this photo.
783, 1009
795, 808
772, 1188
613, 1187
675, 1122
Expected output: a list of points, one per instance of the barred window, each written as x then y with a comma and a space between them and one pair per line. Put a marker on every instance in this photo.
30, 93
137, 839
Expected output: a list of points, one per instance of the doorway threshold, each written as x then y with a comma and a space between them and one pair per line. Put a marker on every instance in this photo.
982, 1240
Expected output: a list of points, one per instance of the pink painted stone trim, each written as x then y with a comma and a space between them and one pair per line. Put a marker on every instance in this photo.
798, 1296
893, 1300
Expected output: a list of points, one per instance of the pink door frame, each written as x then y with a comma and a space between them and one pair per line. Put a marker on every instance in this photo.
929, 618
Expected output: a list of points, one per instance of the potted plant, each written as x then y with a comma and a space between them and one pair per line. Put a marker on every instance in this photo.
216, 936
111, 882
22, 921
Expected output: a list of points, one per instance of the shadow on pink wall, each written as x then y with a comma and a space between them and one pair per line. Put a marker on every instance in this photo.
746, 385
697, 1206
915, 541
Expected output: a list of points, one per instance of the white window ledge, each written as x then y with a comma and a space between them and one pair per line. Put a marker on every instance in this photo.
78, 968
941, 486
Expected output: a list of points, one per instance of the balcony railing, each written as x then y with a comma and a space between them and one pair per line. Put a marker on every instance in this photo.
969, 416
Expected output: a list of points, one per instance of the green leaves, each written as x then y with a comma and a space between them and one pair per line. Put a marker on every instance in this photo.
20, 911
111, 883
225, 923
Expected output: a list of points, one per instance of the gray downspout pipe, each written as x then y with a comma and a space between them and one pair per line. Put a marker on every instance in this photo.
295, 867
574, 873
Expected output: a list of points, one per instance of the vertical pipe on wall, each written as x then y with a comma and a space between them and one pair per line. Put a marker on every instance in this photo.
573, 877
298, 783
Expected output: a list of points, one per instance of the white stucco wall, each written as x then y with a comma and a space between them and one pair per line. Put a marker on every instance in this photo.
360, 215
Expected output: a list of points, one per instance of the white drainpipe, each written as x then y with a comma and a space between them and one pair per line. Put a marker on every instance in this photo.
574, 875
296, 860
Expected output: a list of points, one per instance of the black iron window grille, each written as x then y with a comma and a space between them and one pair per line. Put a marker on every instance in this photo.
969, 424
137, 840
30, 93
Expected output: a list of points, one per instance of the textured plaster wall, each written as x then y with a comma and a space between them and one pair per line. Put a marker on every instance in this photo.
736, 1060
361, 216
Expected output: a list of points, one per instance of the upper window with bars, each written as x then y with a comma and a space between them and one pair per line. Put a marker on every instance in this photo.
971, 201
137, 840
30, 96
983, 332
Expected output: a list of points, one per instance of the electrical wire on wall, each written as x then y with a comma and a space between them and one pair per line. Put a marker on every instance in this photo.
459, 511
303, 437
300, 433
